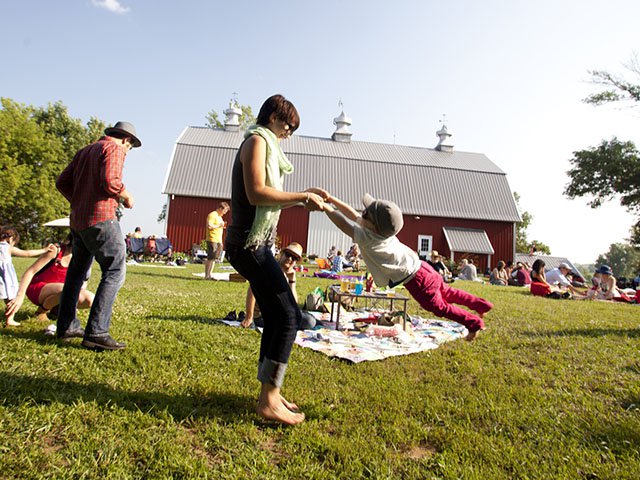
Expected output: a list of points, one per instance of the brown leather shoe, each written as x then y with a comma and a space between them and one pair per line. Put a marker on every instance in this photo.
102, 343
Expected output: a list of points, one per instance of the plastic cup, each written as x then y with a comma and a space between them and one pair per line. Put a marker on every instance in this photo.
359, 288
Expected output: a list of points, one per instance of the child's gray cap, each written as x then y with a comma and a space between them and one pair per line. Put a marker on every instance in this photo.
385, 215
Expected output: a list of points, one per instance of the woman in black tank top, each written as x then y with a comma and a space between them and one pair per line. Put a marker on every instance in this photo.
256, 199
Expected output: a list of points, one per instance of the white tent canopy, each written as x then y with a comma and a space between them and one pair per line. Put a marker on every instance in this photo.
60, 222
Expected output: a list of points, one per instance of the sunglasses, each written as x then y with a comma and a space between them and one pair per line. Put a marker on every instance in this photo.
290, 256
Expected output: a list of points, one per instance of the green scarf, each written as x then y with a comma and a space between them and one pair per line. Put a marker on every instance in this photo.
277, 165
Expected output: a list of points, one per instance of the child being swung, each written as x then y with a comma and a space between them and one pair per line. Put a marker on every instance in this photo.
9, 237
392, 263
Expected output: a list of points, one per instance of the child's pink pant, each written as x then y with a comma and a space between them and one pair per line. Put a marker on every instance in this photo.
430, 291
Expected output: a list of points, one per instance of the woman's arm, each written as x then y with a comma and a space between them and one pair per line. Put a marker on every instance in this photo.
292, 283
14, 305
253, 158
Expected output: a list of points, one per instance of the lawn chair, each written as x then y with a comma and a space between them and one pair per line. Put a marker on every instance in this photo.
136, 248
323, 264
164, 249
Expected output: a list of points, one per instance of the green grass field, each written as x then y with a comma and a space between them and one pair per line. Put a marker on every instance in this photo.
550, 390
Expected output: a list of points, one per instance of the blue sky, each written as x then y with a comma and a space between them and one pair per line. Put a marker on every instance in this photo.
509, 75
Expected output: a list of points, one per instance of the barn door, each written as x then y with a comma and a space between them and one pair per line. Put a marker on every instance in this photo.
425, 245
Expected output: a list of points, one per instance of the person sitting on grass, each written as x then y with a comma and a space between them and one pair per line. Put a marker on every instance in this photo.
392, 263
42, 282
605, 287
539, 285
340, 264
560, 276
438, 265
499, 275
353, 256
520, 276
288, 258
468, 270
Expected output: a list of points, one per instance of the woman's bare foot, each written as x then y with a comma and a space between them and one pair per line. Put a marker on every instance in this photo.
12, 323
279, 413
271, 406
290, 405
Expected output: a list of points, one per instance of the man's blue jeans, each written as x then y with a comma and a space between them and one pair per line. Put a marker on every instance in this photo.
105, 243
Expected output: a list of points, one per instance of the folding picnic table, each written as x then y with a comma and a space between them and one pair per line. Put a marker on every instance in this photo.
374, 297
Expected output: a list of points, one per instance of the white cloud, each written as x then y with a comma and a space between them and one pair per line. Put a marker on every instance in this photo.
111, 5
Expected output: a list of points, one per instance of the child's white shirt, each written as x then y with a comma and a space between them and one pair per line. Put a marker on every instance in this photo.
389, 261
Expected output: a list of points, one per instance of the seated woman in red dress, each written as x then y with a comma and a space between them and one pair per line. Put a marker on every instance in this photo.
43, 281
540, 286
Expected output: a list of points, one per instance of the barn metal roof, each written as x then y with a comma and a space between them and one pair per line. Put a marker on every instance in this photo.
421, 181
549, 262
468, 240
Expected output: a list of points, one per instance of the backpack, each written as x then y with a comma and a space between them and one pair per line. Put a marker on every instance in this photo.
315, 301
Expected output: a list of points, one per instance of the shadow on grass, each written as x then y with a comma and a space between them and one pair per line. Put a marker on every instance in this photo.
16, 390
188, 318
621, 438
163, 274
588, 332
35, 336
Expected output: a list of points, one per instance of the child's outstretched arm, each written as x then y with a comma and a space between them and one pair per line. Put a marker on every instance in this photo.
345, 209
338, 219
18, 252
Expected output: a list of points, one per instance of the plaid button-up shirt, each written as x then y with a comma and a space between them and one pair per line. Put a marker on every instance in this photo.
92, 183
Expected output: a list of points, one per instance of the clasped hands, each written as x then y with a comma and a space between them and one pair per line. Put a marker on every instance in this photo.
317, 199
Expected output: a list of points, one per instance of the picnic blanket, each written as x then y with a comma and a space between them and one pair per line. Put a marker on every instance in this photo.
358, 346
354, 346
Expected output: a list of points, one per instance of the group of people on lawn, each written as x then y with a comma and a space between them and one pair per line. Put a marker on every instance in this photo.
257, 197
559, 282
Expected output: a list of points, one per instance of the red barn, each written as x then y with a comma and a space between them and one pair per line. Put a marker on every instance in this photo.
458, 203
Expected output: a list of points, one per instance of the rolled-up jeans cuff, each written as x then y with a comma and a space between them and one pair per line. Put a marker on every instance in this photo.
271, 372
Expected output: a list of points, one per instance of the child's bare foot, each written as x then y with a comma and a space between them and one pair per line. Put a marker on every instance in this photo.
279, 413
12, 323
471, 336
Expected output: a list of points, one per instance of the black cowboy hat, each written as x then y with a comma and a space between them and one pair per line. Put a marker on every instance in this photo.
124, 128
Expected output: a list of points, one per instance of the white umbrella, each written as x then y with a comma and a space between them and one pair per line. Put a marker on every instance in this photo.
60, 222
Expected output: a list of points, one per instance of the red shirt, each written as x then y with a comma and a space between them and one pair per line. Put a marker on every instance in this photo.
92, 183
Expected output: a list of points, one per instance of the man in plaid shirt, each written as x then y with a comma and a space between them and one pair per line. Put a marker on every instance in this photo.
92, 183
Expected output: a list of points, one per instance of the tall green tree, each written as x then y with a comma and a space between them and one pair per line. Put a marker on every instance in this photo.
617, 88
623, 258
246, 118
522, 244
611, 169
35, 146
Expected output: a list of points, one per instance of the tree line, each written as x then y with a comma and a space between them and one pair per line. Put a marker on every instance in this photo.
36, 144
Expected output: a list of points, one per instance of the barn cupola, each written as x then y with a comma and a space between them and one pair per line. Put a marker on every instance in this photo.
342, 123
444, 145
232, 117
